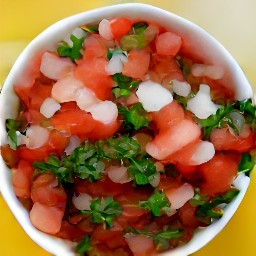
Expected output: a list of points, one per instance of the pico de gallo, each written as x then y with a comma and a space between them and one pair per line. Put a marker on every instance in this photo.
126, 142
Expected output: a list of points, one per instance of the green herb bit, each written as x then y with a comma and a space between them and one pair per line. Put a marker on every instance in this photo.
12, 139
142, 170
57, 167
118, 148
90, 28
161, 239
116, 51
134, 118
210, 210
222, 117
158, 203
139, 28
184, 100
124, 85
74, 52
104, 210
246, 164
84, 245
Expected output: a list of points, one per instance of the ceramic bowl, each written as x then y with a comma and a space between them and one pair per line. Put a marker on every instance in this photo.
203, 44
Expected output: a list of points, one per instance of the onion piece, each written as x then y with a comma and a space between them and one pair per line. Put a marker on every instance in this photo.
153, 96
155, 182
74, 142
37, 136
55, 67
65, 89
181, 88
213, 72
118, 174
115, 65
49, 107
201, 105
238, 120
85, 98
82, 202
105, 29
105, 111
204, 152
179, 196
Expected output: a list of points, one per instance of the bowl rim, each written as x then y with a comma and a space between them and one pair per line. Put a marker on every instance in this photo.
62, 248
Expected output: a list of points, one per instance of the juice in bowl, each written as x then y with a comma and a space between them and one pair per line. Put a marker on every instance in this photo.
127, 130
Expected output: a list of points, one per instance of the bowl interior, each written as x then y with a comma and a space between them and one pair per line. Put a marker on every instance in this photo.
205, 46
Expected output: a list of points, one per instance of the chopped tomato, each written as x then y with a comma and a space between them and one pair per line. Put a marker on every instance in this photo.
73, 122
168, 43
223, 139
187, 214
169, 115
9, 155
92, 73
46, 190
21, 179
32, 155
219, 173
58, 141
46, 218
69, 231
137, 64
120, 27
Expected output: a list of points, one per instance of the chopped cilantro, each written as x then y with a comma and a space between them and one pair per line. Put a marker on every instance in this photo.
157, 204
103, 210
90, 28
136, 117
74, 52
246, 164
161, 239
84, 245
124, 85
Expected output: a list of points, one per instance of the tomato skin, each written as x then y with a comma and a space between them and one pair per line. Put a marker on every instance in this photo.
137, 64
9, 155
21, 179
58, 141
222, 139
187, 214
69, 231
120, 27
45, 190
73, 122
32, 155
46, 218
218, 173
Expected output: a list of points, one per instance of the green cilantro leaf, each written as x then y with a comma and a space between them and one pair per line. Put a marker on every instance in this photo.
161, 239
74, 52
157, 203
142, 170
104, 210
90, 28
136, 117
84, 245
211, 210
124, 85
246, 164
12, 139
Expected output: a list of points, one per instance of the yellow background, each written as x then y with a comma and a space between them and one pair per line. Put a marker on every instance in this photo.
232, 22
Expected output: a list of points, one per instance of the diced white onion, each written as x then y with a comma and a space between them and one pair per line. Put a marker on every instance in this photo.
37, 136
179, 196
118, 174
213, 72
105, 111
74, 142
49, 107
181, 88
153, 96
82, 202
55, 67
78, 33
65, 89
159, 166
115, 65
201, 105
204, 152
155, 182
85, 98
105, 29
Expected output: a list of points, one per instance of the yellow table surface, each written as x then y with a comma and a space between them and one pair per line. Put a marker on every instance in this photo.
232, 22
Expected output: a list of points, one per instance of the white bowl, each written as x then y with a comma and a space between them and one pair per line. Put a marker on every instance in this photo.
210, 50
